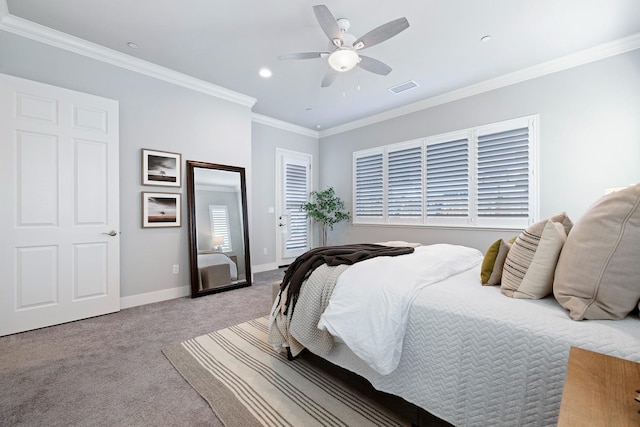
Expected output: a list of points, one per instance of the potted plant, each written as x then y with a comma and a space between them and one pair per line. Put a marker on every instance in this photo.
326, 209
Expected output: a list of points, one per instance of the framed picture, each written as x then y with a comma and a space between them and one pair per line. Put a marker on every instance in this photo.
161, 210
161, 168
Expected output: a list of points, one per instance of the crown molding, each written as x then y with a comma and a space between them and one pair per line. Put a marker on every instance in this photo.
65, 41
269, 121
586, 56
77, 45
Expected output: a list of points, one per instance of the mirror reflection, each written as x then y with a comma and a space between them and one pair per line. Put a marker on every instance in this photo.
218, 225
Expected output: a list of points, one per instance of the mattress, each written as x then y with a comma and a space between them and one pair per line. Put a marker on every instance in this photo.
474, 357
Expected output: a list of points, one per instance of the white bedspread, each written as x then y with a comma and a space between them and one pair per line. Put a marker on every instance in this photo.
475, 357
369, 307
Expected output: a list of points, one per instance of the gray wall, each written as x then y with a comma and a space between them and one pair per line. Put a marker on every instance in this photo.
265, 140
153, 114
589, 140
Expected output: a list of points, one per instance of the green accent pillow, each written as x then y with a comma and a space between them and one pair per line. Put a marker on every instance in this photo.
491, 270
489, 261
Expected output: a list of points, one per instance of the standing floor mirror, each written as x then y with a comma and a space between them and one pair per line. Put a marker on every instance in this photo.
218, 228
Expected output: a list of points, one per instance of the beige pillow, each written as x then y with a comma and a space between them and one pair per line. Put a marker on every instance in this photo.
598, 273
524, 248
496, 269
538, 280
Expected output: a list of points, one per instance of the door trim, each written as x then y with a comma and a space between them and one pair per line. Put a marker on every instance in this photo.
280, 154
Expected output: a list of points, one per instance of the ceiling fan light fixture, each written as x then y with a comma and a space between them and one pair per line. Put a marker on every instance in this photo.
343, 60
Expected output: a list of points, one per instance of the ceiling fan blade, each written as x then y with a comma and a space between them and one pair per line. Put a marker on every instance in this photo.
303, 55
373, 65
381, 33
329, 77
328, 23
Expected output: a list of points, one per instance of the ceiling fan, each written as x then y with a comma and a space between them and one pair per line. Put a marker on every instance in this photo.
343, 50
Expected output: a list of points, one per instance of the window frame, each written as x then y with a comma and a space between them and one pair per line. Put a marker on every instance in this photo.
473, 220
227, 246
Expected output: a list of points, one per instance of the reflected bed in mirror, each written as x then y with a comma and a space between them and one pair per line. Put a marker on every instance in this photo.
218, 228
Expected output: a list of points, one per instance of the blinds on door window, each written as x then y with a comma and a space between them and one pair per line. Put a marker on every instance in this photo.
296, 194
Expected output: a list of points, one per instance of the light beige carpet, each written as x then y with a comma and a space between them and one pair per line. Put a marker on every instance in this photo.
247, 383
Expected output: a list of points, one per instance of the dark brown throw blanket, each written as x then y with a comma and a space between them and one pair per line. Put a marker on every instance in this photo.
304, 265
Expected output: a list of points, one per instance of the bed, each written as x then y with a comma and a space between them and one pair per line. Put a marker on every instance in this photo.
472, 356
216, 269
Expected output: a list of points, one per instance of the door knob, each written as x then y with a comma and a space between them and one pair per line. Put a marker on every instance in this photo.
111, 233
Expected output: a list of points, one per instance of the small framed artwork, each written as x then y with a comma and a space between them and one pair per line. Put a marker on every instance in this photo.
161, 168
161, 210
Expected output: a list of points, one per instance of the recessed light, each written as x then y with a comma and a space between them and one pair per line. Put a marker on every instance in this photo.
318, 126
485, 39
132, 45
265, 72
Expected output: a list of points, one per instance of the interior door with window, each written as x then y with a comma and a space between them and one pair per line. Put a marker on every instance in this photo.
59, 221
293, 232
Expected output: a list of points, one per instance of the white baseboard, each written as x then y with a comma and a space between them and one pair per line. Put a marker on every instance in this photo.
151, 297
264, 267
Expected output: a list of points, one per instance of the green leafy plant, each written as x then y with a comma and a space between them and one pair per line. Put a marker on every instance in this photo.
326, 209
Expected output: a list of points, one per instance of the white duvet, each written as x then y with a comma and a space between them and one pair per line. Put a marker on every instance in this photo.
369, 307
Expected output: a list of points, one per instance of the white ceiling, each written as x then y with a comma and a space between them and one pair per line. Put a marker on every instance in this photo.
226, 43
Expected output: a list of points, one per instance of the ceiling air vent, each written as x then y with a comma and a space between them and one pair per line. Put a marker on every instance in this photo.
403, 86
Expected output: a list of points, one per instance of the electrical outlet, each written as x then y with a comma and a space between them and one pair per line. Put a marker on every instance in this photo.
264, 251
176, 268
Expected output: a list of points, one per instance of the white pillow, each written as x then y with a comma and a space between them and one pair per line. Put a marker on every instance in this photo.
399, 244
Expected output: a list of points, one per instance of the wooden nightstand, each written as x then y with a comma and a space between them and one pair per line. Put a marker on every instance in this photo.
599, 390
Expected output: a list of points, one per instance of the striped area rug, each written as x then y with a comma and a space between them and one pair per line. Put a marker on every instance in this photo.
247, 383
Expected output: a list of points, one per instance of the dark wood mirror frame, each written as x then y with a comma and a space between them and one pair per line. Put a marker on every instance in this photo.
196, 286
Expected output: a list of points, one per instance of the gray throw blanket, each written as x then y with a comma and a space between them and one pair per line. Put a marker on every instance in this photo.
287, 331
326, 264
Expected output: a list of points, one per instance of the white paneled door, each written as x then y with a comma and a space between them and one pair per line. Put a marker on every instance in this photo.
293, 236
59, 215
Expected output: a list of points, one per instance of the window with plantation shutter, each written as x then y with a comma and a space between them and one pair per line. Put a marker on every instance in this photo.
503, 174
369, 186
296, 194
404, 184
448, 179
220, 225
478, 177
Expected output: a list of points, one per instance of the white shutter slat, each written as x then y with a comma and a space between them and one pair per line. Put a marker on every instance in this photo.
503, 174
448, 179
404, 184
369, 186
